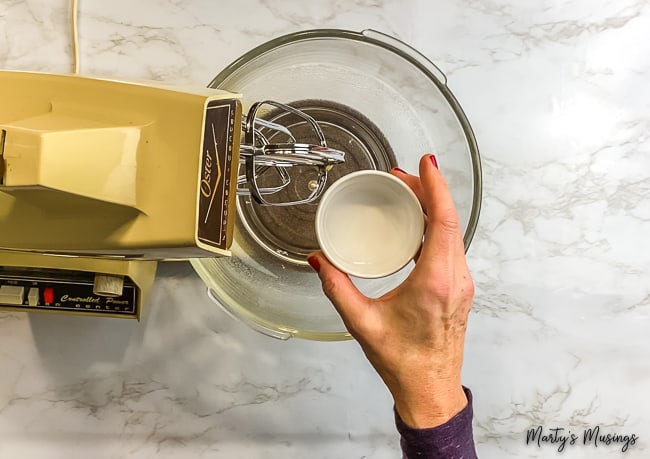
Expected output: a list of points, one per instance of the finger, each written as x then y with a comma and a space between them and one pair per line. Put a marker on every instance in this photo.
338, 287
415, 184
443, 238
412, 181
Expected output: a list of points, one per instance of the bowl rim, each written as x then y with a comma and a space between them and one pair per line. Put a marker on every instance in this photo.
261, 325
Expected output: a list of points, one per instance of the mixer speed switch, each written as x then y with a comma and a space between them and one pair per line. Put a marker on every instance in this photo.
11, 294
107, 285
32, 297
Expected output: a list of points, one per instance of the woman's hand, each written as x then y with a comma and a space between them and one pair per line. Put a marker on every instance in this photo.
414, 335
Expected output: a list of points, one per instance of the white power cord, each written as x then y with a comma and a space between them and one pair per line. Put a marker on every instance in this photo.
75, 35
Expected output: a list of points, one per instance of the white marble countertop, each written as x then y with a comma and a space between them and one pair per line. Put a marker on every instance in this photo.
557, 93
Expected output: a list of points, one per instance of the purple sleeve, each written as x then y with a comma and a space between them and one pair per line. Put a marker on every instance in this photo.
452, 440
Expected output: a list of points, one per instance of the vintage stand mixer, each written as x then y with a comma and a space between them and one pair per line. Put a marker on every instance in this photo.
101, 179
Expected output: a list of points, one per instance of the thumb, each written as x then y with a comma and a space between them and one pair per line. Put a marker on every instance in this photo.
338, 287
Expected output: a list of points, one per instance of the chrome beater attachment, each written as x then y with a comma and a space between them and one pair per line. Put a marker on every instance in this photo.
261, 156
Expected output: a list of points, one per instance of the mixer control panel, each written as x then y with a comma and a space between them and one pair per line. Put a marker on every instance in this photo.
63, 291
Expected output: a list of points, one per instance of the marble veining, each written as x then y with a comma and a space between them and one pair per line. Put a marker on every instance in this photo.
556, 92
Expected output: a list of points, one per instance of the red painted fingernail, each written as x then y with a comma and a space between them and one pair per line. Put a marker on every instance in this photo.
313, 262
400, 170
434, 160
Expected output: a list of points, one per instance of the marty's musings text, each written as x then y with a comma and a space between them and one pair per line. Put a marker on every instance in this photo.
595, 437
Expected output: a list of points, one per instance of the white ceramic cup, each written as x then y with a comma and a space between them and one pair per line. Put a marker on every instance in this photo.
369, 224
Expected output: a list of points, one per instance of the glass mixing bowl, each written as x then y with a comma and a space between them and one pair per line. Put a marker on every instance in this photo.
381, 102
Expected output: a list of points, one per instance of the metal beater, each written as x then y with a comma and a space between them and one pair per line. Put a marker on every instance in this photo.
260, 156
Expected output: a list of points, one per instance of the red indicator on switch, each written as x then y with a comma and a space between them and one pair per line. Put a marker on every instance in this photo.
48, 295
